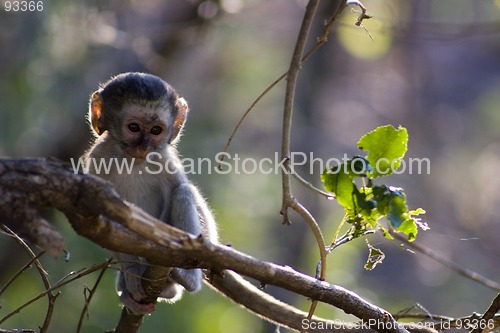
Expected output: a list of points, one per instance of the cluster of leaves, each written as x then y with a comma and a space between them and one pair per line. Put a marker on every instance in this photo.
367, 204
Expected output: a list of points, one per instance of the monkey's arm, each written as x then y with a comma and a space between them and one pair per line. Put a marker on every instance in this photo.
184, 212
184, 215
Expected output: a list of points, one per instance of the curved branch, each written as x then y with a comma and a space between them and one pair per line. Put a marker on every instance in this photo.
43, 274
288, 200
96, 212
268, 308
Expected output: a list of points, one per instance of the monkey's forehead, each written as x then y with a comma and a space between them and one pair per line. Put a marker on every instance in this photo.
147, 106
138, 88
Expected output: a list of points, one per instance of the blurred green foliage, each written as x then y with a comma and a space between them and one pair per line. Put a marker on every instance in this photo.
431, 67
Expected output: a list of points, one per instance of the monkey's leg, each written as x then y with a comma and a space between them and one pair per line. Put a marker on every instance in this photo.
190, 279
129, 285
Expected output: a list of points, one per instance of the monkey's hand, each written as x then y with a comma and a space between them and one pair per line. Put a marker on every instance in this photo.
135, 307
132, 294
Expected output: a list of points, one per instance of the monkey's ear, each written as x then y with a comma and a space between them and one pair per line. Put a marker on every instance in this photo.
180, 119
95, 113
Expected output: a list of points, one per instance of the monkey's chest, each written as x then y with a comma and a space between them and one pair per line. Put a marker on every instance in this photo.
145, 191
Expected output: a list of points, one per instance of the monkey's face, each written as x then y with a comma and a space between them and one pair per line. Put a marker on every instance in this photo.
141, 113
143, 131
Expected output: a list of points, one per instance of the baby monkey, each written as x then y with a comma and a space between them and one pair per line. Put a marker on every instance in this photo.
137, 119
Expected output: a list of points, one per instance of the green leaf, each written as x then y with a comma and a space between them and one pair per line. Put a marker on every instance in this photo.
397, 208
340, 183
375, 257
410, 225
366, 206
409, 228
386, 145
419, 211
359, 165
381, 197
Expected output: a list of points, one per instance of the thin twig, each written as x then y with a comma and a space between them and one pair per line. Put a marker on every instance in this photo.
362, 16
451, 265
257, 100
337, 232
43, 274
445, 322
89, 298
320, 41
328, 196
64, 281
18, 273
424, 316
488, 316
288, 200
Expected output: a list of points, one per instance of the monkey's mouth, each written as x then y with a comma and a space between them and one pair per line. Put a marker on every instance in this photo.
135, 153
137, 156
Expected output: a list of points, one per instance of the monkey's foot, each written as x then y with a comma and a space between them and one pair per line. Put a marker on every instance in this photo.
136, 307
190, 279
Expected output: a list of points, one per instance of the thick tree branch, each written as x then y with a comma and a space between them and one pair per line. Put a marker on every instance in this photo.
96, 212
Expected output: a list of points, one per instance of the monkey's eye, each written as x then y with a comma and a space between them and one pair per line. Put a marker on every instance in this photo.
134, 127
156, 130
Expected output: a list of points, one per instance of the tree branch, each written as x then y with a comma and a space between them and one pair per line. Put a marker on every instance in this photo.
43, 274
487, 318
96, 212
289, 201
474, 276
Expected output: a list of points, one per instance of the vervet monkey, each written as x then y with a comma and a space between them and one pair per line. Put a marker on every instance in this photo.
137, 119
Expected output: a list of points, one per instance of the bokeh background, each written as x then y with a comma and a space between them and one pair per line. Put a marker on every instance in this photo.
433, 66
